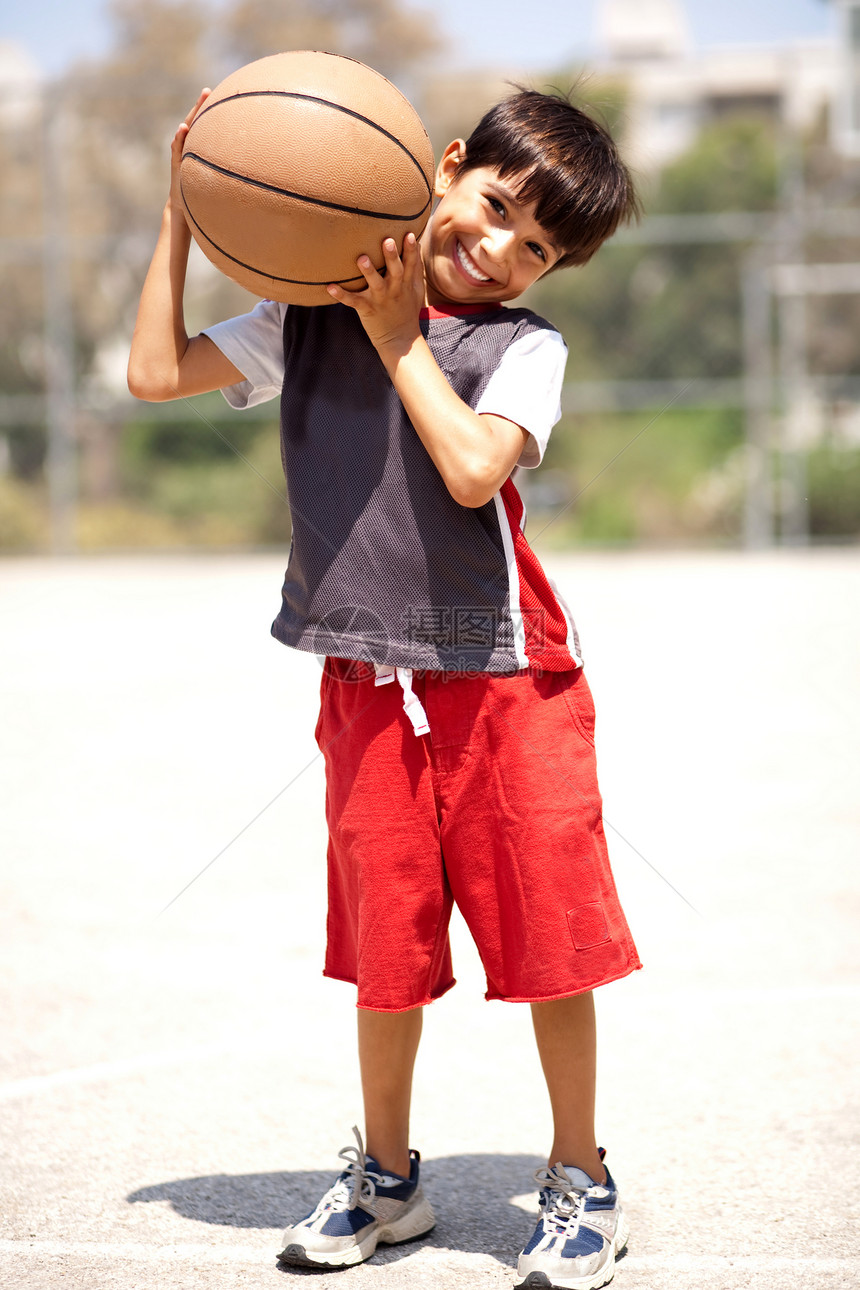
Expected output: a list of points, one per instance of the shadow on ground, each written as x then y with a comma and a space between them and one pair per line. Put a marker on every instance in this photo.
472, 1196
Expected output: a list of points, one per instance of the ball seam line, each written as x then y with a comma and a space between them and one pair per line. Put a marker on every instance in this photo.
261, 273
338, 107
300, 197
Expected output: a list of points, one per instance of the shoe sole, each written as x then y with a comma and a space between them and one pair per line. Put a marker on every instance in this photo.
540, 1280
407, 1227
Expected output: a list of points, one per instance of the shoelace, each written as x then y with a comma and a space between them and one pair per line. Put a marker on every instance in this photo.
561, 1200
354, 1185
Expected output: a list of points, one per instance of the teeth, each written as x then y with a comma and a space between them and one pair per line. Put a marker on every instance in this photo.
470, 268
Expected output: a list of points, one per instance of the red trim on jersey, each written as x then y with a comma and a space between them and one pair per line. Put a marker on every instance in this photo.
544, 621
458, 311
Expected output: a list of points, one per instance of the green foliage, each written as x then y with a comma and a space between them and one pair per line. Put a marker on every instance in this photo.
834, 491
23, 517
636, 477
389, 36
733, 166
640, 312
180, 438
27, 450
658, 312
190, 475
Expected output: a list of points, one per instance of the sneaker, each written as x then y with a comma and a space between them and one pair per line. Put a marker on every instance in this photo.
365, 1206
580, 1232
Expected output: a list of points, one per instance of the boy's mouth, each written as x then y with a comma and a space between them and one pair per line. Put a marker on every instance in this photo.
467, 264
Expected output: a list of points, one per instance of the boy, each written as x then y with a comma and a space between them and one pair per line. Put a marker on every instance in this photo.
455, 718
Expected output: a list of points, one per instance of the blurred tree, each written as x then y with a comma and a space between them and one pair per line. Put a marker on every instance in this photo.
382, 33
22, 447
833, 322
125, 106
128, 105
638, 312
117, 114
733, 166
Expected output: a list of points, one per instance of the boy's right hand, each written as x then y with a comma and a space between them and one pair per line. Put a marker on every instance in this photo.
175, 199
164, 363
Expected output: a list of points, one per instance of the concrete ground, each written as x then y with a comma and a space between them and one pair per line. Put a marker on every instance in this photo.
174, 1084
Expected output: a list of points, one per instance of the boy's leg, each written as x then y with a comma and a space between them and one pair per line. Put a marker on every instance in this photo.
387, 1045
365, 1205
566, 1038
581, 1228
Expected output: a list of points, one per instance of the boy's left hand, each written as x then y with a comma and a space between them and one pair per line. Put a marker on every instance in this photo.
389, 306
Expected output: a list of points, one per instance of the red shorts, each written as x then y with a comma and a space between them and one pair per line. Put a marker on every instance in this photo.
497, 808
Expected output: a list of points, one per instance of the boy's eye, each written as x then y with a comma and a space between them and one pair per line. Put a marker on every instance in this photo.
497, 206
538, 250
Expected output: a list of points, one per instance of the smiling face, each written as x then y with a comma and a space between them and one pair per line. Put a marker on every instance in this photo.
482, 243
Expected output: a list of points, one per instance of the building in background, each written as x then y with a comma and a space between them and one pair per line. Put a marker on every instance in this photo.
20, 85
675, 89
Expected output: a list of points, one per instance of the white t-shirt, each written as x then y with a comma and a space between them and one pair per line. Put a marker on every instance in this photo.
525, 388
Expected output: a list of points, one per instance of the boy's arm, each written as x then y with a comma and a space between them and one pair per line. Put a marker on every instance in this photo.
474, 453
164, 363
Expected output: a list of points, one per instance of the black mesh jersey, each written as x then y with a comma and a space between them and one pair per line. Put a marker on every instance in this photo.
384, 565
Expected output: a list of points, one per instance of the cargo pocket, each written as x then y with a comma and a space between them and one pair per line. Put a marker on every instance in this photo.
588, 926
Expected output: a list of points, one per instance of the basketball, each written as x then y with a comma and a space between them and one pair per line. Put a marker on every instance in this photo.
296, 165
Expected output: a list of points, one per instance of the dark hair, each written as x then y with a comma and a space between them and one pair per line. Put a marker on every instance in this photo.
569, 168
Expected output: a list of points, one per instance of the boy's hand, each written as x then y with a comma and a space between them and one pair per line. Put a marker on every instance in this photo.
389, 306
473, 453
176, 147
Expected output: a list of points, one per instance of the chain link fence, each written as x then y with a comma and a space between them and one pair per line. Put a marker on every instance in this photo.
713, 389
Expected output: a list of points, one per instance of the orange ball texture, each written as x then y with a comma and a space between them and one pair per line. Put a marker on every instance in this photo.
296, 165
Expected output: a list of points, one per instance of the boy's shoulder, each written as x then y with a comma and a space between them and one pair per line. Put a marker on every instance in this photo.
517, 319
515, 345
527, 319
482, 339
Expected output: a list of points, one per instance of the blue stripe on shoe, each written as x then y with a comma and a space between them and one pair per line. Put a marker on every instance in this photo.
537, 1236
585, 1242
346, 1222
403, 1187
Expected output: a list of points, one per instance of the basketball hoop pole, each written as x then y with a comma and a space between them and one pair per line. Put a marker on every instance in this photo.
795, 389
845, 109
758, 398
61, 464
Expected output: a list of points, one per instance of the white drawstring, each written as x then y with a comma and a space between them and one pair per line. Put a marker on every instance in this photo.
412, 705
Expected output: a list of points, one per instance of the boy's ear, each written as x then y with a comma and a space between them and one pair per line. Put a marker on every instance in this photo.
449, 164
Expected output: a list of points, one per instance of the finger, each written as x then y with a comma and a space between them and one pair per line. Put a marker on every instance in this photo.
413, 265
204, 94
369, 271
411, 254
393, 262
350, 298
177, 146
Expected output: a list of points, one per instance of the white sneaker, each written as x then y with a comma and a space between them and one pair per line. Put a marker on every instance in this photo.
363, 1208
580, 1232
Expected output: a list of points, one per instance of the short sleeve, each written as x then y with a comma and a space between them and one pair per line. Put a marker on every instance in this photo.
526, 389
253, 342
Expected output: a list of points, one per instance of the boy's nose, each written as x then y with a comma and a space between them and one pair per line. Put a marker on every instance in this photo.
495, 243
